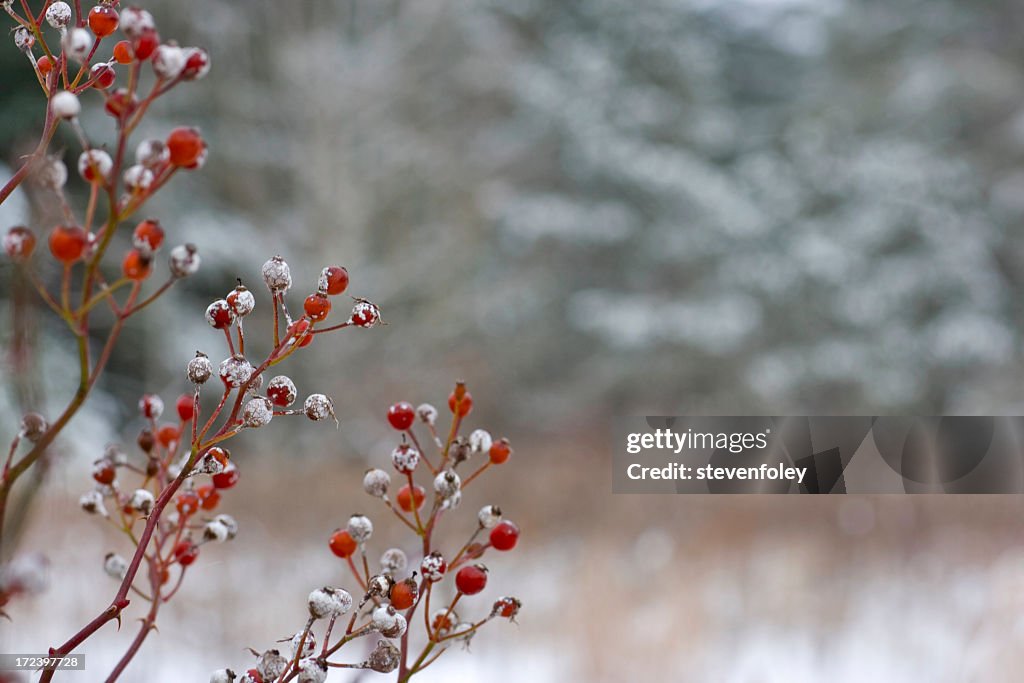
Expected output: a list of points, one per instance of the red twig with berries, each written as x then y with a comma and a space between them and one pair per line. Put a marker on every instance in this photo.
164, 498
392, 593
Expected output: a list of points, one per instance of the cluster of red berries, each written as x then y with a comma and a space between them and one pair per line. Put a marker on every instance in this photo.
393, 593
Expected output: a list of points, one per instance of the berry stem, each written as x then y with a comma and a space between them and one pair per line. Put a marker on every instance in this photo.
423, 453
400, 516
415, 508
480, 470
148, 624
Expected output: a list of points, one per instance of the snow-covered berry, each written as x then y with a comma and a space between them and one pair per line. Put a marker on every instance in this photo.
384, 659
318, 407
489, 516
480, 441
141, 501
168, 61
137, 178
115, 566
77, 43
235, 371
427, 413
365, 314
58, 14
65, 105
152, 153
447, 483
360, 528
277, 275
328, 602
405, 458
199, 369
393, 561
94, 165
92, 502
184, 260
258, 412
376, 483
433, 566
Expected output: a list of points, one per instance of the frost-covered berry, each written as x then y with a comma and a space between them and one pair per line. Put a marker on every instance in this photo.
141, 501
277, 275
76, 44
137, 178
19, 243
318, 407
405, 458
102, 76
52, 173
453, 501
33, 426
94, 166
135, 21
393, 561
92, 502
152, 153
199, 369
447, 484
365, 314
168, 61
235, 371
376, 483
151, 406
312, 670
25, 574
427, 413
222, 676
197, 63
360, 528
184, 260
65, 105
384, 659
328, 602
480, 441
23, 39
281, 391
215, 531
463, 632
380, 585
489, 516
460, 450
115, 566
229, 523
219, 314
433, 566
308, 645
271, 664
472, 579
258, 412
58, 14
388, 621
241, 301
506, 608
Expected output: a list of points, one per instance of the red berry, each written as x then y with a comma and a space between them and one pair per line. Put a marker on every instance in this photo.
222, 456
342, 544
151, 406
227, 478
209, 497
401, 415
500, 451
333, 280
187, 503
102, 76
148, 235
281, 391
103, 20
123, 52
67, 243
197, 63
120, 103
506, 607
45, 65
104, 472
465, 404
145, 44
254, 675
168, 434
317, 306
185, 146
186, 407
186, 553
136, 266
19, 243
219, 314
504, 536
403, 594
406, 497
472, 579
365, 314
